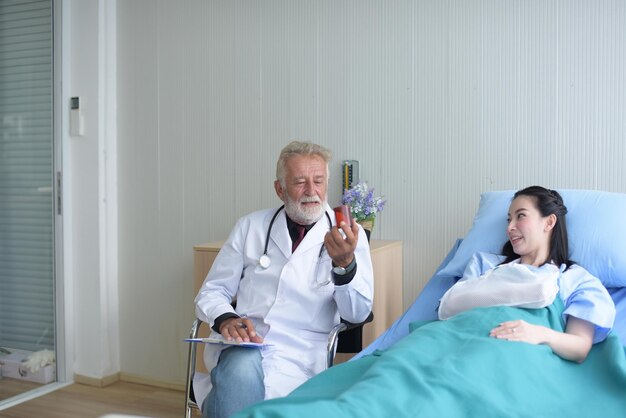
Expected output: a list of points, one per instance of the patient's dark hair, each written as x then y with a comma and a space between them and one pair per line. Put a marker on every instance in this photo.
547, 202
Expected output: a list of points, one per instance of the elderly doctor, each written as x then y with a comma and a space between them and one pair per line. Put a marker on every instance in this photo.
293, 274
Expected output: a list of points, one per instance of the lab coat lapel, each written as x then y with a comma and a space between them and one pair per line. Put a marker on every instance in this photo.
280, 234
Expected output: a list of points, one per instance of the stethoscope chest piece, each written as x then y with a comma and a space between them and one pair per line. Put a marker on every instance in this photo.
265, 261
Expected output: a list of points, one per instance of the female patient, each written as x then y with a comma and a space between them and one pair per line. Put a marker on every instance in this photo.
468, 365
538, 238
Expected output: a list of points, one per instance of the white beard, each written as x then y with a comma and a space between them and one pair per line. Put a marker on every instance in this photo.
304, 215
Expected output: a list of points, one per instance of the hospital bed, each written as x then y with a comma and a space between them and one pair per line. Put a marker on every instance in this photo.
597, 237
424, 308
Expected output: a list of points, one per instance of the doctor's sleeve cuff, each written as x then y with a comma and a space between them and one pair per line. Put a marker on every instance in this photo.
222, 318
346, 278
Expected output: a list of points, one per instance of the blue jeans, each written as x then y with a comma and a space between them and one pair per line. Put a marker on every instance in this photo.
237, 381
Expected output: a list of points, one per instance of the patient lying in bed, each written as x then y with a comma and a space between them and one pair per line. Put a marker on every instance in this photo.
491, 359
583, 297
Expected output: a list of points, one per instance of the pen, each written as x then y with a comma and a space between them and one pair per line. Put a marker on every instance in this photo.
241, 324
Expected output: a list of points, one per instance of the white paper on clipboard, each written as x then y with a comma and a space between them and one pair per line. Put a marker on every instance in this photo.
226, 342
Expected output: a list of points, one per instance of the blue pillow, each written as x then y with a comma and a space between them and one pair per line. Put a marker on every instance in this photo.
595, 224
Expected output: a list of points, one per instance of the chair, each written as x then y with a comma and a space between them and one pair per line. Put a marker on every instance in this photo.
342, 337
334, 345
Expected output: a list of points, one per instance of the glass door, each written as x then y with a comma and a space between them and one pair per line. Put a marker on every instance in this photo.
27, 207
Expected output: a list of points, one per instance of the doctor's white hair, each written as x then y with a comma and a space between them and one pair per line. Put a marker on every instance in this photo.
300, 148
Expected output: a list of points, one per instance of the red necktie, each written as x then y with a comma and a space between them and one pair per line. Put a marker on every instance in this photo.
300, 229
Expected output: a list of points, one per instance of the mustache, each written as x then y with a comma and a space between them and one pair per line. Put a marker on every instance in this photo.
310, 199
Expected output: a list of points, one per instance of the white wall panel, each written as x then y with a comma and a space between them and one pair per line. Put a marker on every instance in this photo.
438, 100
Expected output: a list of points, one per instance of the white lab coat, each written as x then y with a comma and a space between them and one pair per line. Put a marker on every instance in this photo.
289, 309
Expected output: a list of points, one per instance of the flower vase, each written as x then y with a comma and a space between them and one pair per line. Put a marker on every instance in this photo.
368, 225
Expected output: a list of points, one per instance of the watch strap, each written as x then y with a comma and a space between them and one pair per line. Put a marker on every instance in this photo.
351, 266
342, 279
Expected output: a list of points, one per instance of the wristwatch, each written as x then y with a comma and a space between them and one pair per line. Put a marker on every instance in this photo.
342, 271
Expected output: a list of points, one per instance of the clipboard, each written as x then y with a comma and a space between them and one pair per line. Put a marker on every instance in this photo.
220, 341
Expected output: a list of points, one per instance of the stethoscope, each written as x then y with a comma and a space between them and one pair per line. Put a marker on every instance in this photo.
264, 260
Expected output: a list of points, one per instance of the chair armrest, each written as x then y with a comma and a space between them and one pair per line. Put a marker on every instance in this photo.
191, 367
350, 325
332, 342
333, 336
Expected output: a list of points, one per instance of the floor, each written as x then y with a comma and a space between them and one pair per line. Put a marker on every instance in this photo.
12, 387
82, 401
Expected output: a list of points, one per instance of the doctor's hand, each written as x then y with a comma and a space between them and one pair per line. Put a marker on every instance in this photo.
341, 249
239, 329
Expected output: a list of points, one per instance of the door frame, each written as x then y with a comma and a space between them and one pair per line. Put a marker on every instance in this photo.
60, 118
61, 77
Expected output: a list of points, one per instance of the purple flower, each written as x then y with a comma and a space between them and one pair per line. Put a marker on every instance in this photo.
362, 202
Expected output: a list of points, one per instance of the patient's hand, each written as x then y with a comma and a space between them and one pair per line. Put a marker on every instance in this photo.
574, 344
240, 329
520, 331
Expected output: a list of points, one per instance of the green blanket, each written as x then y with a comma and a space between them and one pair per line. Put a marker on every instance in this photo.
454, 369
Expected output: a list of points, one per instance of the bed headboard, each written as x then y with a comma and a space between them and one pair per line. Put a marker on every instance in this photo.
595, 221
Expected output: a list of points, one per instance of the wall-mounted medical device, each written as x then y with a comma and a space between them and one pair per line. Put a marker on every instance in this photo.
350, 173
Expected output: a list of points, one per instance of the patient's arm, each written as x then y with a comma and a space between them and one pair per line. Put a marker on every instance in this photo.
574, 344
